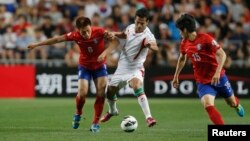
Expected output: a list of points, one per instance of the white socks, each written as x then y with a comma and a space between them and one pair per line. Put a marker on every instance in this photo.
112, 107
143, 101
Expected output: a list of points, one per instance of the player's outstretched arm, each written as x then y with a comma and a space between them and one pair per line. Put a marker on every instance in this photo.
220, 58
120, 35
180, 64
114, 42
109, 35
50, 41
152, 45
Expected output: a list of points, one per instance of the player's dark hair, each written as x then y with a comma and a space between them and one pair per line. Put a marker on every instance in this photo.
142, 13
82, 22
186, 21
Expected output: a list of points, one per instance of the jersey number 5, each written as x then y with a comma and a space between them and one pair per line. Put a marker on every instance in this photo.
196, 57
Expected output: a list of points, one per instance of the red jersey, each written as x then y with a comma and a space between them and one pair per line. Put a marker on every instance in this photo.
90, 48
202, 53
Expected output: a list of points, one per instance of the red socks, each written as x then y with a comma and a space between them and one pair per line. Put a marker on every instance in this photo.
214, 115
99, 104
79, 104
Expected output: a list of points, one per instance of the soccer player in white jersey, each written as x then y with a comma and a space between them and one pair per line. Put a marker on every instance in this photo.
130, 70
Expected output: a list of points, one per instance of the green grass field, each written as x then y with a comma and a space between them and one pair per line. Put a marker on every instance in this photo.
50, 120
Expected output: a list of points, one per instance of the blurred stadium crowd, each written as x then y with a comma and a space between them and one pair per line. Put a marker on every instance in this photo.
26, 21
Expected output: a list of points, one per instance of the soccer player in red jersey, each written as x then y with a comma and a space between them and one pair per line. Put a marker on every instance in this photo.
208, 59
92, 65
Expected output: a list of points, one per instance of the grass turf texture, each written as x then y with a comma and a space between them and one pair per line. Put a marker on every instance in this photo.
49, 119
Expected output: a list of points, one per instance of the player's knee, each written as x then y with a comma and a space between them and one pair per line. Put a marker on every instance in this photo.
82, 92
138, 92
207, 104
232, 101
100, 91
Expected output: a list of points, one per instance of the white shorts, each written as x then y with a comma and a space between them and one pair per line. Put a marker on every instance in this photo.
121, 80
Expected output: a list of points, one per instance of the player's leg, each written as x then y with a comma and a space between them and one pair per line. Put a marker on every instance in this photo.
83, 83
207, 95
112, 99
136, 84
100, 79
234, 102
113, 88
100, 84
226, 90
80, 101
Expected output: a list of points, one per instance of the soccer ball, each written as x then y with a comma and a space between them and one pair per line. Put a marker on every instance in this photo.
129, 123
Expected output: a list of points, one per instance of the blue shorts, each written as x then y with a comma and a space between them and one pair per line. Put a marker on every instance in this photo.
223, 88
83, 73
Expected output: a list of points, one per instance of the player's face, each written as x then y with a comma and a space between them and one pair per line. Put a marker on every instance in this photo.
85, 32
140, 24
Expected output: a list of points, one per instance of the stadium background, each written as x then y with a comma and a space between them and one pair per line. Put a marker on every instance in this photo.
52, 71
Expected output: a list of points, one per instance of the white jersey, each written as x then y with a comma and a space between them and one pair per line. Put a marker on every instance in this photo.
133, 55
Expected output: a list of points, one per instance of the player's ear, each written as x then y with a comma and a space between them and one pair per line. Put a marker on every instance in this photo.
184, 30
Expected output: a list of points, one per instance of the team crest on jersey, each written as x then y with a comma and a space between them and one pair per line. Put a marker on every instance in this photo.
198, 46
95, 41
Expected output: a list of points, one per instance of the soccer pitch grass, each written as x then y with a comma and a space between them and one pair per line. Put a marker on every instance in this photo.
49, 119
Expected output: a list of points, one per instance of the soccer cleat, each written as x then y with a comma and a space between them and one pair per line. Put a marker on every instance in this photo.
108, 115
95, 128
76, 121
150, 121
240, 110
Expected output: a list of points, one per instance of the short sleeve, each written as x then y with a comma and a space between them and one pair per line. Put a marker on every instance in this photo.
100, 31
213, 43
127, 30
150, 38
71, 36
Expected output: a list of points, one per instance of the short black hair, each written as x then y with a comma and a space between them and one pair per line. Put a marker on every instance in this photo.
82, 22
142, 13
186, 21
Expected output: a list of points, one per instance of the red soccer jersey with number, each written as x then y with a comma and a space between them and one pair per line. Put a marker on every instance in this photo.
202, 53
90, 48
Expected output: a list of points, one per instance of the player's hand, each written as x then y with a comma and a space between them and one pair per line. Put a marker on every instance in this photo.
145, 43
31, 46
175, 83
109, 35
101, 57
216, 79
